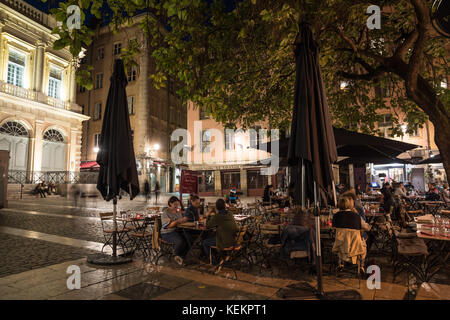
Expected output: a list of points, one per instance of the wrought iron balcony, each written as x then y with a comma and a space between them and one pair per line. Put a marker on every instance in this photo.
57, 177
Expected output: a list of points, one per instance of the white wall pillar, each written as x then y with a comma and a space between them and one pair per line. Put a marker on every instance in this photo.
72, 96
244, 181
38, 67
351, 176
74, 150
38, 134
217, 183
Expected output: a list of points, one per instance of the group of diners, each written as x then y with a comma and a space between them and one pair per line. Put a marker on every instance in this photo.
217, 218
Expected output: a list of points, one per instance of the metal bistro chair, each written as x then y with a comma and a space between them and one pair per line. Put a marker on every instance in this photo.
108, 231
228, 255
142, 240
409, 254
160, 247
266, 232
340, 247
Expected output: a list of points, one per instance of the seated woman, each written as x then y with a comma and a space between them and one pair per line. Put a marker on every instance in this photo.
170, 218
226, 229
432, 193
347, 218
270, 196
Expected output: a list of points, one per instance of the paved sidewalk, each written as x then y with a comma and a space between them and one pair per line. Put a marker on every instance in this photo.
141, 281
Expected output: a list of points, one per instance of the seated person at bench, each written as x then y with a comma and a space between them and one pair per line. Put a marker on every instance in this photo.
170, 218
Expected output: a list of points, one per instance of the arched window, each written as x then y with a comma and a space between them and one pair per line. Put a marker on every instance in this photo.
53, 135
14, 128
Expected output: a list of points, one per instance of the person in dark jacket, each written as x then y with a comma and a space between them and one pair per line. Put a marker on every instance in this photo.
147, 190
192, 212
226, 230
157, 191
388, 197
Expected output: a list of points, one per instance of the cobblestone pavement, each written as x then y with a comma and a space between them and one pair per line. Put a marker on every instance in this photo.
19, 254
74, 228
58, 216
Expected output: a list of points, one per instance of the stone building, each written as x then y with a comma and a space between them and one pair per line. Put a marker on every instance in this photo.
154, 114
225, 160
40, 122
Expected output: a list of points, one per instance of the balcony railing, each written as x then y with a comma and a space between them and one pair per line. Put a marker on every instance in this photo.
31, 12
57, 177
37, 96
17, 91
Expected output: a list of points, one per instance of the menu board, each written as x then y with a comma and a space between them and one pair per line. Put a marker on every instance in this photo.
189, 182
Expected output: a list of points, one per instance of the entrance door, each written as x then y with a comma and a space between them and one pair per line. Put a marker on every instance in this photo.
53, 156
418, 178
53, 151
18, 151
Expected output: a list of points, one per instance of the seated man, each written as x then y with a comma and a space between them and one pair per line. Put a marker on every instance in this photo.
226, 229
192, 213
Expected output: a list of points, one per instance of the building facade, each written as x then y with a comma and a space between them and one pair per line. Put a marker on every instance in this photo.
225, 160
40, 122
423, 137
154, 114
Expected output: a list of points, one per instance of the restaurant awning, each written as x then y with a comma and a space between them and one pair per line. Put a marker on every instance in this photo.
354, 144
435, 159
374, 160
89, 165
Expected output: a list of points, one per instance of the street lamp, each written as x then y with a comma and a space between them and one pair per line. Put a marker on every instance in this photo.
96, 149
156, 147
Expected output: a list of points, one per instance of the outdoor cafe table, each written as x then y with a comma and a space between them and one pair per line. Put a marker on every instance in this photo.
437, 241
192, 226
431, 206
242, 218
372, 216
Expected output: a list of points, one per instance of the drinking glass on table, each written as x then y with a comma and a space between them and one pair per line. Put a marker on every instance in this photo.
437, 219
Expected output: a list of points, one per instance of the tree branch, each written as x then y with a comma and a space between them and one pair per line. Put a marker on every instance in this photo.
409, 40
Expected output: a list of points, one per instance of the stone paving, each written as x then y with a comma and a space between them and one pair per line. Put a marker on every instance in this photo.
139, 281
19, 254
41, 238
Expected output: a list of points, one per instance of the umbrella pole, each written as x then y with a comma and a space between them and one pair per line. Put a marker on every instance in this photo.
303, 184
115, 227
318, 248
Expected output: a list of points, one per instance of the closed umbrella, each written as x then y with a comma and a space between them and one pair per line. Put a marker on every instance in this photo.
116, 153
312, 146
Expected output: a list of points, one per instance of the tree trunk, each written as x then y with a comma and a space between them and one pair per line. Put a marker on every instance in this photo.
442, 139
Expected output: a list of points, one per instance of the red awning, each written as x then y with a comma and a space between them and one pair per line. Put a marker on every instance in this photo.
85, 165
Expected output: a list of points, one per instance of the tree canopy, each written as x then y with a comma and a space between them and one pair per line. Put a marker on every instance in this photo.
235, 58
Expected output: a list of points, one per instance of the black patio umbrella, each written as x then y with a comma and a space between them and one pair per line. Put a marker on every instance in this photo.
374, 160
351, 144
116, 152
312, 147
435, 159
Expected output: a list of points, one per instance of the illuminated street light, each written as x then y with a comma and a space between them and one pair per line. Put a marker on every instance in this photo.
156, 147
96, 149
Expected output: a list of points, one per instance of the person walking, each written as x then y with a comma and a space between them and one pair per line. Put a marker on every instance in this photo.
157, 190
147, 191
